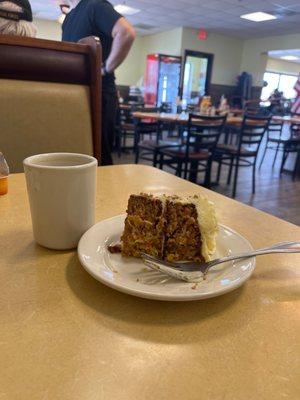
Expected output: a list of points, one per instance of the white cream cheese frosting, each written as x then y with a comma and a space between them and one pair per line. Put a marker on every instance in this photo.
208, 224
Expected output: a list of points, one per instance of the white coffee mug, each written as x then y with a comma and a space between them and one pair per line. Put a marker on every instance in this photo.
62, 191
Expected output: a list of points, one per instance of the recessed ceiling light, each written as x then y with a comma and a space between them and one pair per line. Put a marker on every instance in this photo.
126, 10
258, 17
290, 58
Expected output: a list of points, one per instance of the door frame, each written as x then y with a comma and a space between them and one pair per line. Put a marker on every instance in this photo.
210, 62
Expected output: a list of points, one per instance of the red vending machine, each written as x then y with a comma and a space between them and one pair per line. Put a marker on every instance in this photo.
162, 79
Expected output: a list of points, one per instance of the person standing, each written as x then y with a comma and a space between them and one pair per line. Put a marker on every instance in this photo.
99, 18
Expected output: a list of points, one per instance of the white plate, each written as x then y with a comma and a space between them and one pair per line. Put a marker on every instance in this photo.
129, 275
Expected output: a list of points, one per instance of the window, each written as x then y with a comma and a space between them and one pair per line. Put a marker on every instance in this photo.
165, 88
283, 82
286, 85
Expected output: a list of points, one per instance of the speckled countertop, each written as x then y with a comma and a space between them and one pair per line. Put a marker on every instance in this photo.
65, 336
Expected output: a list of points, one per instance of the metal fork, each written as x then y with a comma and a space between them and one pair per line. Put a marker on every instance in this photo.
186, 270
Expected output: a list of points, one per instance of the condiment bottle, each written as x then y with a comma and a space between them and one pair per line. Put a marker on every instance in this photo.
4, 172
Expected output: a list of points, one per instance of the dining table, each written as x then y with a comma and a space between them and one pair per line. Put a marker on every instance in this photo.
182, 119
66, 336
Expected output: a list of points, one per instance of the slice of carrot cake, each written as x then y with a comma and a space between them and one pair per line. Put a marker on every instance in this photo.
170, 228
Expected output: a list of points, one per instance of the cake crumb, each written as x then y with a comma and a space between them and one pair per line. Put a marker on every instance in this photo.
195, 286
115, 248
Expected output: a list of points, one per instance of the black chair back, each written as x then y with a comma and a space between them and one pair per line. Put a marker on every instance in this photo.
148, 109
275, 127
146, 126
294, 114
252, 132
295, 130
204, 132
126, 116
166, 107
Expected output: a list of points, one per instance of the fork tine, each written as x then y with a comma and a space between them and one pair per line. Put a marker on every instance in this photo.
174, 273
184, 267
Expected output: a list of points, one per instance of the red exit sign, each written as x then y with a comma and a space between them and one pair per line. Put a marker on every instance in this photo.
202, 34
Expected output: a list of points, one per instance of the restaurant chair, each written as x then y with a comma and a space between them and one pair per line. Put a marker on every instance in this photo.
147, 149
170, 127
197, 152
125, 128
292, 146
50, 96
274, 140
252, 107
245, 153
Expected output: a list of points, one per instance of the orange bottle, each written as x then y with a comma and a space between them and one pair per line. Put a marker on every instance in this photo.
4, 172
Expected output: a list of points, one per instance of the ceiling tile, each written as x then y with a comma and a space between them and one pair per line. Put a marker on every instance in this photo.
222, 16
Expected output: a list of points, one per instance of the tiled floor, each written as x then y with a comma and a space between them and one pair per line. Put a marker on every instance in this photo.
279, 196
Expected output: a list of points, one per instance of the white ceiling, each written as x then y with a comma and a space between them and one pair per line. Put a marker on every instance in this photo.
219, 16
282, 53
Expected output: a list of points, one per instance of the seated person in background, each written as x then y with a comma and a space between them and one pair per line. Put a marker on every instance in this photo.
16, 18
275, 99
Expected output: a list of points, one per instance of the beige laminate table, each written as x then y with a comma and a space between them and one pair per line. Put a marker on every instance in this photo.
182, 119
65, 336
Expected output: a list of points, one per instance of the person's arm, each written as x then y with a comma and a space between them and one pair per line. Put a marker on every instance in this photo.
123, 36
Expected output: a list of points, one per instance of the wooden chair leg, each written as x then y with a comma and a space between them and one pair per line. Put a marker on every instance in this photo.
236, 172
155, 156
161, 161
277, 149
284, 158
253, 177
264, 155
297, 166
136, 139
137, 155
219, 161
230, 171
186, 164
207, 179
179, 169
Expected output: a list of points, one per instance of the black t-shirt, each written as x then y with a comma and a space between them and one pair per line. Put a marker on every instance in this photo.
93, 18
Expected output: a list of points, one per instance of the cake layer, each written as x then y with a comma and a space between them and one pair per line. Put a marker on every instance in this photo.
144, 227
183, 236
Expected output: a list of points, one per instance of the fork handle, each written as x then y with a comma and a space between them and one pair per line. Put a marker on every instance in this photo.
289, 247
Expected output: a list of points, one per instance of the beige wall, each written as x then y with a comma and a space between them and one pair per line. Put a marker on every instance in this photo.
255, 57
227, 61
50, 30
133, 69
232, 55
168, 42
282, 66
130, 72
227, 54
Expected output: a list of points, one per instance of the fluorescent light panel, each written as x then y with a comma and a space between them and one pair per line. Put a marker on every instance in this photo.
126, 10
290, 58
258, 17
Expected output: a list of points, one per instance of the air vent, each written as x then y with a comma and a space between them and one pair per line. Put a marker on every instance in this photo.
144, 27
284, 12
